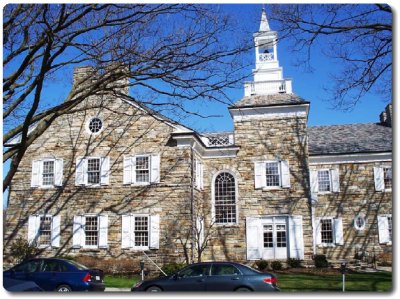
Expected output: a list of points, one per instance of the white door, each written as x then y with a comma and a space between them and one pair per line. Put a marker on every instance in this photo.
274, 238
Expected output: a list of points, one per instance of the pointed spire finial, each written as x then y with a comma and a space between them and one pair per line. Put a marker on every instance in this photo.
264, 26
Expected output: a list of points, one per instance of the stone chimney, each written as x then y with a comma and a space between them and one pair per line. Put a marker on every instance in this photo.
121, 81
386, 117
83, 75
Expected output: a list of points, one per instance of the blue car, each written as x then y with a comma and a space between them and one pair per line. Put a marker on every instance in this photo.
212, 277
56, 274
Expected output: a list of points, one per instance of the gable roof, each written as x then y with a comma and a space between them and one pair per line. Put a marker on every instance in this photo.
347, 139
269, 100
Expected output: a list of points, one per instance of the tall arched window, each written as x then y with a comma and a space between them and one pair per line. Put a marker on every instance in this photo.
225, 198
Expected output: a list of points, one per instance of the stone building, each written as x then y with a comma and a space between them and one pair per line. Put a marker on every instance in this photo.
117, 179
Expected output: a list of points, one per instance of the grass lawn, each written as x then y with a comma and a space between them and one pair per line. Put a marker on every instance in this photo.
300, 282
120, 281
372, 282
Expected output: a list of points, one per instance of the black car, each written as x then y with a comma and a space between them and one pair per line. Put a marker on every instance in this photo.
213, 277
56, 274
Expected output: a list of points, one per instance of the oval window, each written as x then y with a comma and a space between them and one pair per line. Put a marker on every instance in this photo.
359, 223
95, 125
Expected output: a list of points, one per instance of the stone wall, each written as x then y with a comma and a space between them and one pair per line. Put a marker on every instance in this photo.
357, 196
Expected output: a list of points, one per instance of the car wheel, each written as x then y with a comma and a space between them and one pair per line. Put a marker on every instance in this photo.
153, 289
243, 290
63, 288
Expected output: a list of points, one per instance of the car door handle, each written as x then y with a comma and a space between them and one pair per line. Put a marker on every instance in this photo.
235, 278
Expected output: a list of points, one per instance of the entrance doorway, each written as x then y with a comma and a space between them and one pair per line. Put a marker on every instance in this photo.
275, 244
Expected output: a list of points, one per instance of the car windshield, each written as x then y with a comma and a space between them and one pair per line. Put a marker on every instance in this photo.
248, 270
77, 265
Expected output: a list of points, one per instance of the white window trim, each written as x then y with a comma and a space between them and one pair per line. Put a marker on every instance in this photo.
136, 183
386, 189
45, 246
213, 217
86, 183
333, 244
88, 122
84, 246
148, 232
330, 181
41, 163
266, 188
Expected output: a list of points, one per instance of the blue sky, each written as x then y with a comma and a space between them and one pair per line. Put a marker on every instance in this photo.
307, 85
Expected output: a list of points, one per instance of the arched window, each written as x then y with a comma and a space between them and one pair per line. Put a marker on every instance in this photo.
225, 198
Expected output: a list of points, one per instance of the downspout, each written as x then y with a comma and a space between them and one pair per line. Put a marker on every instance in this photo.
192, 201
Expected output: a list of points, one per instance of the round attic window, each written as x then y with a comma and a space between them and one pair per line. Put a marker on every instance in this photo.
95, 125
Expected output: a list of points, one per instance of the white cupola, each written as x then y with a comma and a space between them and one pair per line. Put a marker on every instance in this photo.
268, 77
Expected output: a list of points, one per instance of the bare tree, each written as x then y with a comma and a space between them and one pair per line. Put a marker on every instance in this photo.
179, 52
358, 37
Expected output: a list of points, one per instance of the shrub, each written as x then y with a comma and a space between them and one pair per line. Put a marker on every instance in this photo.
321, 261
111, 266
262, 265
276, 265
21, 250
294, 263
171, 268
384, 259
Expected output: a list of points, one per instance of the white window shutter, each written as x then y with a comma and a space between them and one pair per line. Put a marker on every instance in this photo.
379, 180
103, 231
127, 233
155, 232
155, 168
36, 174
317, 231
285, 174
58, 175
197, 173
105, 171
253, 238
260, 179
383, 229
33, 228
133, 170
80, 172
314, 181
296, 242
55, 231
335, 180
78, 233
127, 180
338, 224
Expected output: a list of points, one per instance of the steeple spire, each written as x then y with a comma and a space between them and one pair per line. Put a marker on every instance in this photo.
264, 26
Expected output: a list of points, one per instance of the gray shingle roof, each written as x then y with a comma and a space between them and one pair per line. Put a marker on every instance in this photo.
269, 100
356, 138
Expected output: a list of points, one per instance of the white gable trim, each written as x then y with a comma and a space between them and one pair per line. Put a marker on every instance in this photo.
350, 158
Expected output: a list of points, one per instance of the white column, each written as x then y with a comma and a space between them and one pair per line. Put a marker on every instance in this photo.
275, 51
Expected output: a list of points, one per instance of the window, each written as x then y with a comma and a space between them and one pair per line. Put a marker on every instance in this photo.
45, 230
389, 218
225, 198
92, 171
324, 181
47, 173
53, 266
268, 236
280, 235
221, 270
30, 267
91, 229
359, 222
326, 231
142, 169
194, 271
95, 125
387, 177
272, 174
141, 231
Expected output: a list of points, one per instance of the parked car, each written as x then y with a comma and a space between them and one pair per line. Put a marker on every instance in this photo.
56, 274
213, 277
